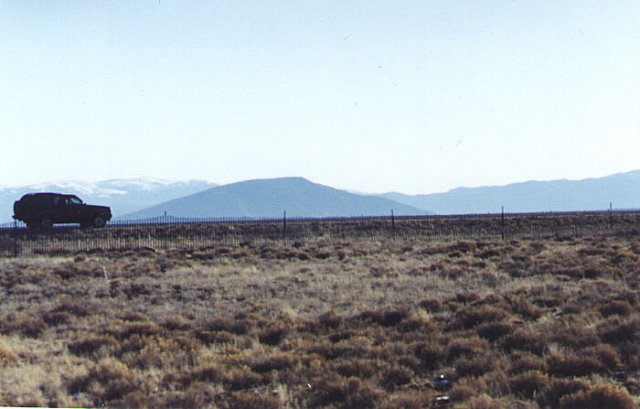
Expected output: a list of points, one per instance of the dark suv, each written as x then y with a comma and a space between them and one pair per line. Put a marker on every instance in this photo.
44, 209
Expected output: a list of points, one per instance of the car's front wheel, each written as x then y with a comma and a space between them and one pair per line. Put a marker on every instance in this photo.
46, 223
99, 220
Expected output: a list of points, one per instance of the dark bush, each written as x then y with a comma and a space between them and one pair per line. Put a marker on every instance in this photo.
276, 362
466, 347
599, 397
573, 364
528, 384
242, 379
91, 345
384, 318
616, 330
273, 336
473, 315
395, 377
493, 331
616, 307
524, 340
527, 362
251, 400
57, 318
430, 355
361, 368
476, 365
556, 389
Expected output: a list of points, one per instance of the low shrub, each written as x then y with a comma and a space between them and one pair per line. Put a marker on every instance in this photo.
475, 365
91, 345
524, 340
466, 347
616, 307
528, 384
395, 377
252, 400
7, 357
23, 324
573, 364
384, 318
109, 380
557, 388
485, 401
273, 336
524, 362
598, 397
473, 315
430, 355
617, 330
275, 362
493, 331
361, 368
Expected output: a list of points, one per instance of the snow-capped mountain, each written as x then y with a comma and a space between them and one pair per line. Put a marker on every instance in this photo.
122, 195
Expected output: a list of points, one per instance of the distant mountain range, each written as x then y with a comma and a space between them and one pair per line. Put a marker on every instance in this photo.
123, 195
148, 198
267, 198
621, 190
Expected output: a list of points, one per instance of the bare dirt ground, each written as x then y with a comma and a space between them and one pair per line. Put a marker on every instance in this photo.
334, 324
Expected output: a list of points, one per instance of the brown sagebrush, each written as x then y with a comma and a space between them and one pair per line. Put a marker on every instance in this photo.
176, 323
524, 339
473, 315
526, 361
466, 388
493, 331
408, 400
557, 388
361, 368
108, 380
616, 307
598, 397
22, 323
616, 330
395, 377
384, 318
242, 378
484, 401
273, 336
92, 344
252, 400
528, 384
573, 364
57, 318
352, 394
466, 346
476, 365
430, 355
278, 362
7, 357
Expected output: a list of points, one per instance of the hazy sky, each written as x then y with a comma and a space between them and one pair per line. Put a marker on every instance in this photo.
413, 96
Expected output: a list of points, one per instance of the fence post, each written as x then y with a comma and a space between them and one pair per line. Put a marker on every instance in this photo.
502, 223
284, 226
611, 216
393, 224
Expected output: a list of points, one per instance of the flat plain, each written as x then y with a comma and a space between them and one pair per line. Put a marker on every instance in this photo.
530, 323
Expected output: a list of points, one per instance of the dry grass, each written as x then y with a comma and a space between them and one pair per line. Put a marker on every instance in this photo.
531, 324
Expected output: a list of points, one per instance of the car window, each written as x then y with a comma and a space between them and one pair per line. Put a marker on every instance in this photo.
74, 200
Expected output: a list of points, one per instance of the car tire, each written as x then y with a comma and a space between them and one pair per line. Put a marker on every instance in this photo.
46, 223
99, 220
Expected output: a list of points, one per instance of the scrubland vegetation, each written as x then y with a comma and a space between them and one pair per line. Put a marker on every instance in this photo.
323, 323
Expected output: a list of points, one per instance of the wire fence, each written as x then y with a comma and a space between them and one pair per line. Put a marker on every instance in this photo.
168, 232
